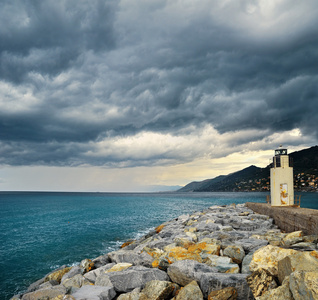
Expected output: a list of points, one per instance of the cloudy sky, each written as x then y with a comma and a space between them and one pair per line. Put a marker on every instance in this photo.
122, 95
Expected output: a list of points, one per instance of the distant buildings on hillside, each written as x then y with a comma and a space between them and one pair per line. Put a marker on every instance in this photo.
302, 183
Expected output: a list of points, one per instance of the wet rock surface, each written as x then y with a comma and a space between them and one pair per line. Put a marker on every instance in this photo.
223, 252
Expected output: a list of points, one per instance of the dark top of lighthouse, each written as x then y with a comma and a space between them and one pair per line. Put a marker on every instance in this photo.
278, 161
280, 151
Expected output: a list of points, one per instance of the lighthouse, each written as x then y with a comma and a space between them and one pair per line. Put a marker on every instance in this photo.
282, 183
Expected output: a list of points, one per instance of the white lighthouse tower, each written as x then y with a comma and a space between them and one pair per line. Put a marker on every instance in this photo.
282, 182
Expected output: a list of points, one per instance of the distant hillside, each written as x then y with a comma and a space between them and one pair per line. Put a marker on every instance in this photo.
254, 178
306, 161
226, 182
198, 185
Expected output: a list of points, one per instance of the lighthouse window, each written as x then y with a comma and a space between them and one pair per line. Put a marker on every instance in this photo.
277, 162
291, 162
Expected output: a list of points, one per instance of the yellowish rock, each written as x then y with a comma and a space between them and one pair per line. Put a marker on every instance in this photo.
193, 236
292, 238
159, 228
57, 275
261, 281
179, 253
304, 285
268, 257
119, 267
169, 247
300, 261
280, 293
206, 248
156, 290
191, 291
127, 243
154, 252
175, 254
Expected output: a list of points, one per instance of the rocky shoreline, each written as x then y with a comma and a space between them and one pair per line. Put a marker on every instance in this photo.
223, 252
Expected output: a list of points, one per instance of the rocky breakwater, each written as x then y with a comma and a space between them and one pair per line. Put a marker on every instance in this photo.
223, 252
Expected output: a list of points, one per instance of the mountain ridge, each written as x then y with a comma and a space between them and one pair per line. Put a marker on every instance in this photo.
253, 178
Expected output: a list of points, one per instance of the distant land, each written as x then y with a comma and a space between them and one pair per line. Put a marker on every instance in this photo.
161, 188
254, 178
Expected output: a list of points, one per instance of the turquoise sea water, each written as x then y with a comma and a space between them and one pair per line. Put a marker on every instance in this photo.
42, 231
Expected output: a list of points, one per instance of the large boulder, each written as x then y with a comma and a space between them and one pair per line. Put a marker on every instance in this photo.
191, 291
47, 293
183, 272
57, 275
204, 248
103, 280
136, 276
268, 258
245, 268
299, 261
304, 285
214, 281
90, 292
92, 275
157, 290
35, 285
101, 261
73, 271
76, 281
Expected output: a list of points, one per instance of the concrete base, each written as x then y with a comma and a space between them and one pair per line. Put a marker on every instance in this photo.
289, 219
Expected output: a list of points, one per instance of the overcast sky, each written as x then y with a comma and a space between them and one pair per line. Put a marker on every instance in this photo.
122, 95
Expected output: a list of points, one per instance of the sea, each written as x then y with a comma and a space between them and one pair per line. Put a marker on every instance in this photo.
41, 231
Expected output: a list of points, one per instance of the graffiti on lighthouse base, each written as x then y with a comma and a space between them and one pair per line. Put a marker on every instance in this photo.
283, 194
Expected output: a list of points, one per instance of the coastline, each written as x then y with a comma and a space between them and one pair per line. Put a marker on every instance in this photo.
208, 251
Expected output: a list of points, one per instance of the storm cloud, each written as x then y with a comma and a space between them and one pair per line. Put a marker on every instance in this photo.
137, 83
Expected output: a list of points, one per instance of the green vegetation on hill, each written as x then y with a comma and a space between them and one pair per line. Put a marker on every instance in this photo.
254, 178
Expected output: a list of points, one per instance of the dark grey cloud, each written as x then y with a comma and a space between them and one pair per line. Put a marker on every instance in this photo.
48, 36
77, 73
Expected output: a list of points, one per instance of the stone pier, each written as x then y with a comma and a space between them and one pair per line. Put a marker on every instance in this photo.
289, 218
